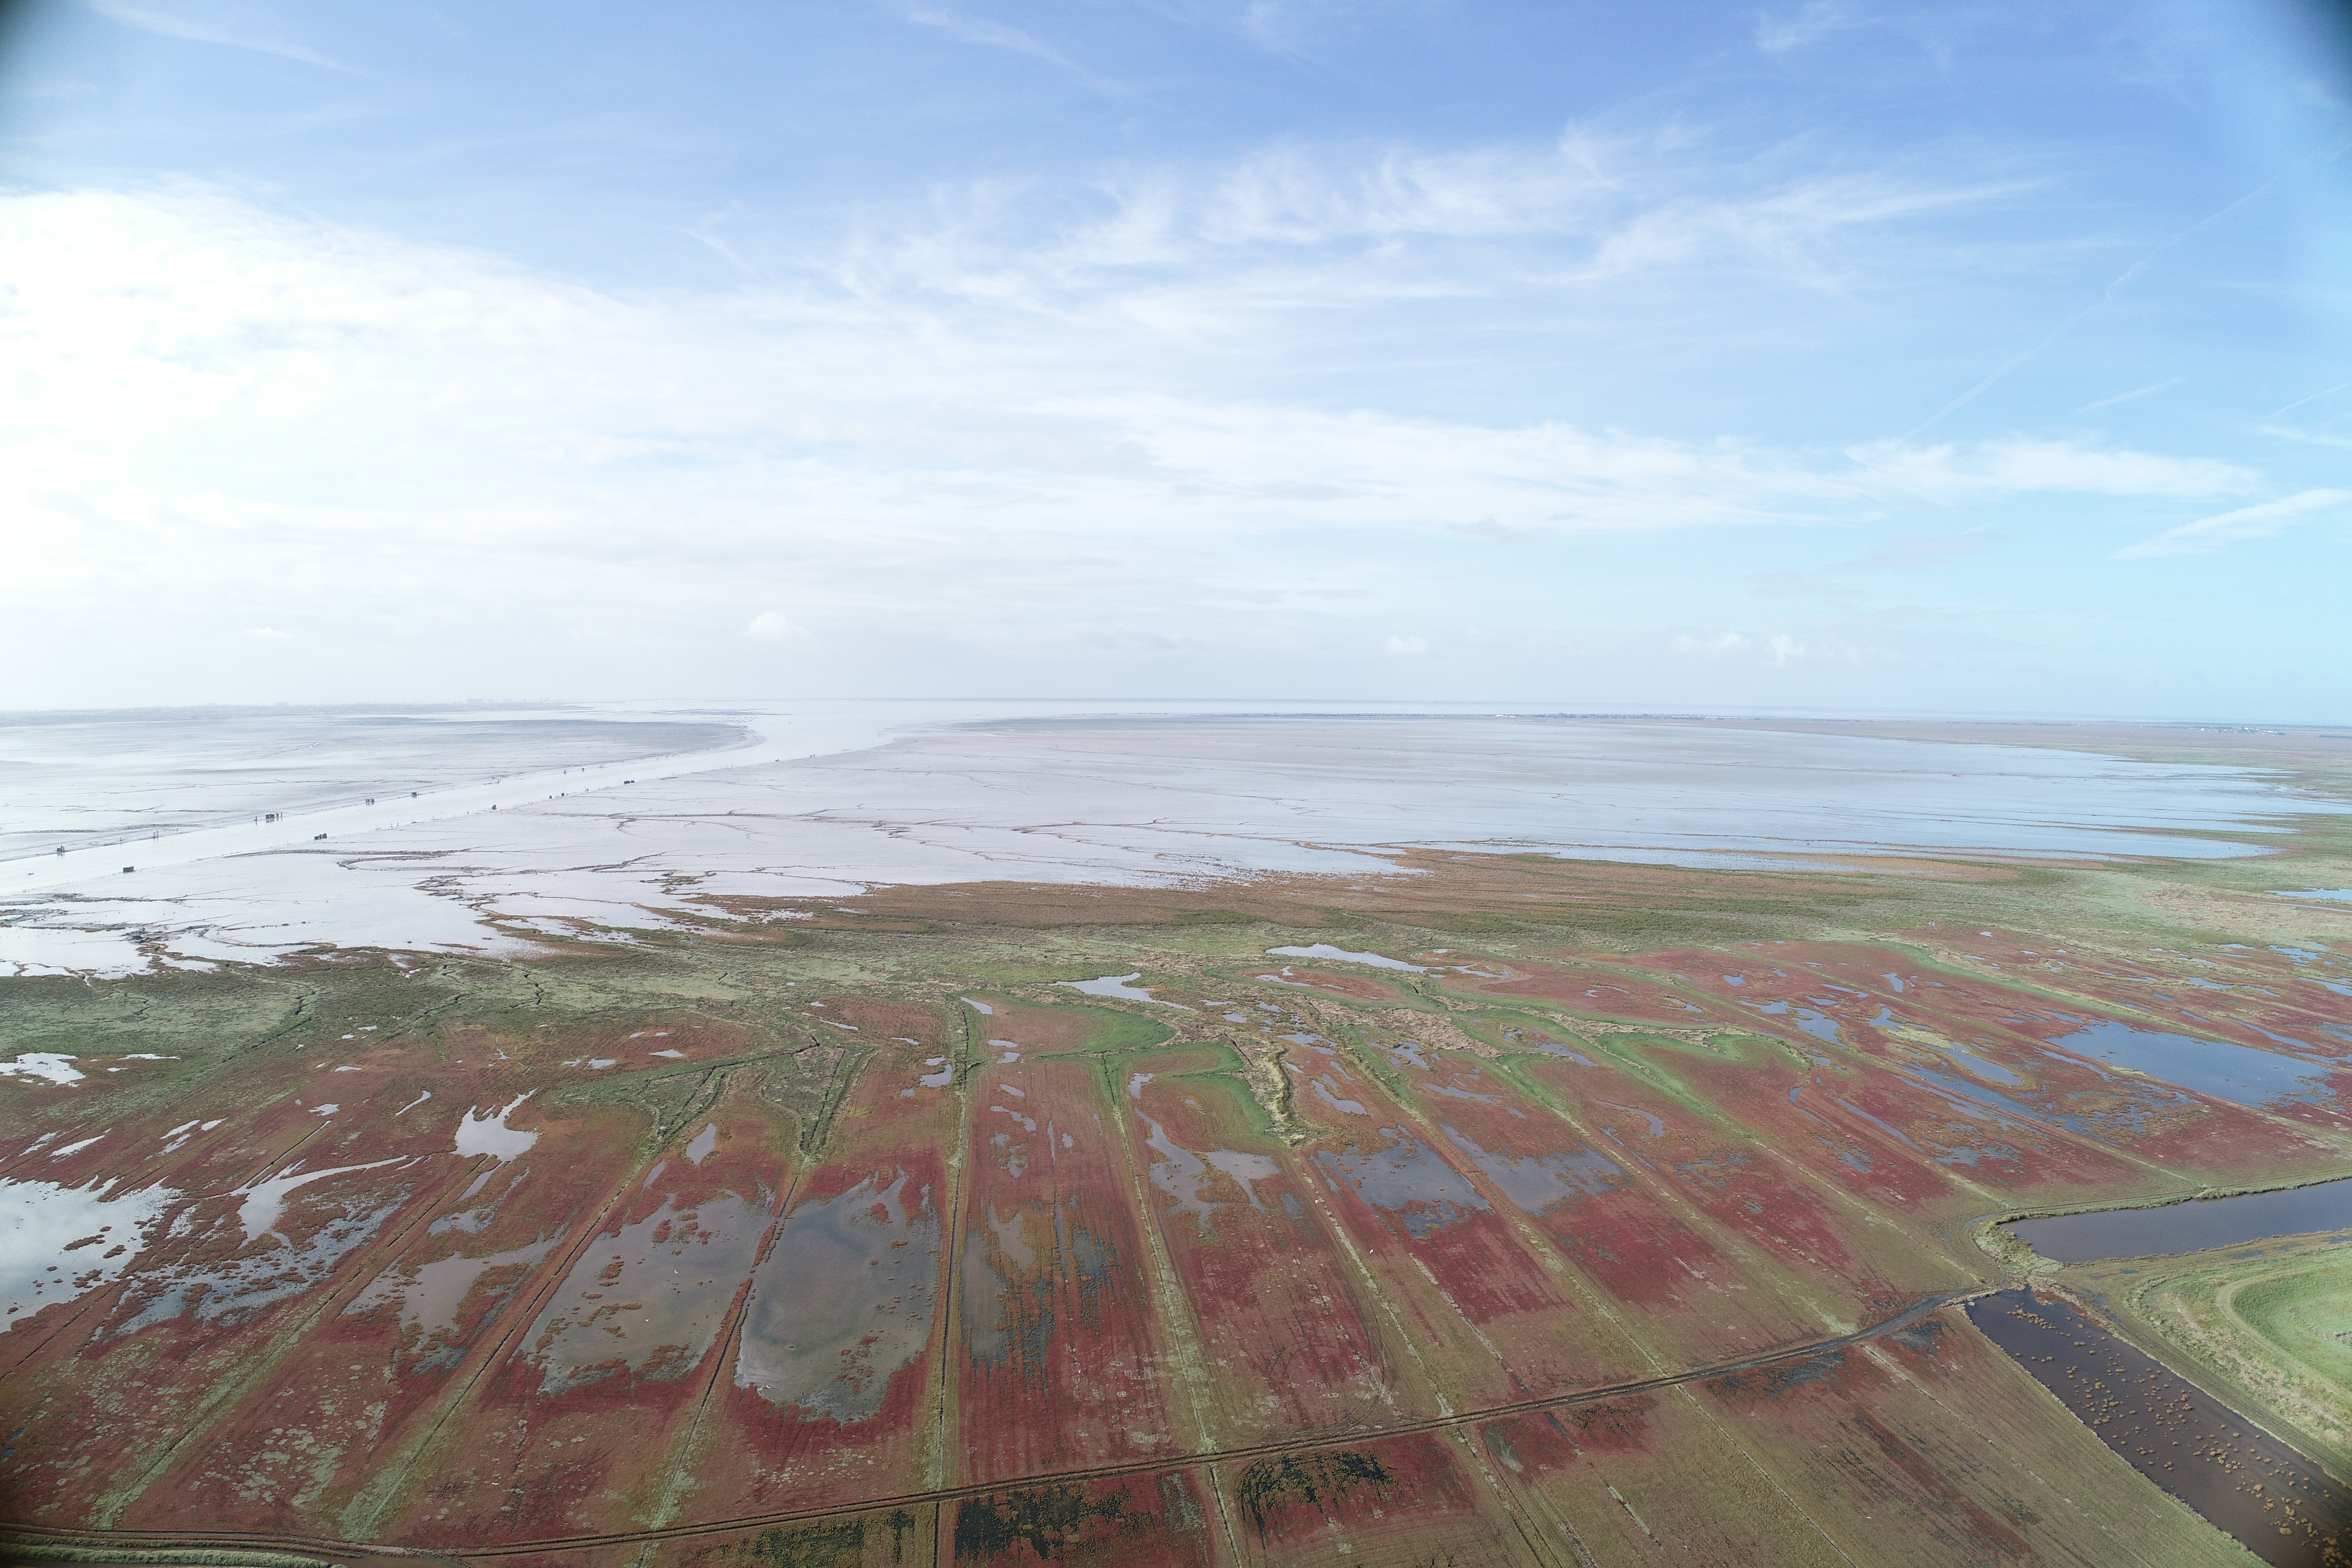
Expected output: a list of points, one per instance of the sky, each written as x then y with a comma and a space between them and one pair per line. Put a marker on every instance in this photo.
1976, 359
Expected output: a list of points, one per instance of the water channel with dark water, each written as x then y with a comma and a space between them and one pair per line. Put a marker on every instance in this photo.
2282, 1506
2191, 1226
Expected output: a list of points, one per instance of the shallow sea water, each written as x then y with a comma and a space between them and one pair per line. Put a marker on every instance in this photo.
1405, 1179
1541, 1183
120, 776
820, 801
58, 1242
430, 1296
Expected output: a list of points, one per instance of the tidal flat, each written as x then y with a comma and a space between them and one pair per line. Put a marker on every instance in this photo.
1620, 1208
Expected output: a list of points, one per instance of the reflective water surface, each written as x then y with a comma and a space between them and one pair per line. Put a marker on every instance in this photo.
843, 1300
2189, 1227
2280, 1505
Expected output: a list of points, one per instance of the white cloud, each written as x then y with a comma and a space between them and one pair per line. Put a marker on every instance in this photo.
212, 405
169, 341
1720, 644
1944, 474
2209, 534
1915, 552
1407, 646
269, 634
770, 627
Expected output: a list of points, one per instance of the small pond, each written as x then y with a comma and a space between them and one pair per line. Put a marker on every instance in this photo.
2239, 1074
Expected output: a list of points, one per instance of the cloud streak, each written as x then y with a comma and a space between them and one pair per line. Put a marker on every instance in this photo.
198, 29
2207, 535
998, 35
2134, 396
1817, 19
1779, 650
2123, 280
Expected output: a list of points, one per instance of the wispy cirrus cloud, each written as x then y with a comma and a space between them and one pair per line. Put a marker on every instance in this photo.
2134, 396
2209, 534
181, 335
1302, 233
1777, 34
999, 36
1916, 553
2310, 398
210, 24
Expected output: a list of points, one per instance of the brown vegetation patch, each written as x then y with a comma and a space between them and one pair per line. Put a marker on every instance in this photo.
1440, 891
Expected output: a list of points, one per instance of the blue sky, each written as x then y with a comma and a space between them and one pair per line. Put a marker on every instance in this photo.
1941, 358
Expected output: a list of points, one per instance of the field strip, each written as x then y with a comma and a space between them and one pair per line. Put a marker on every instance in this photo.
147, 1540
